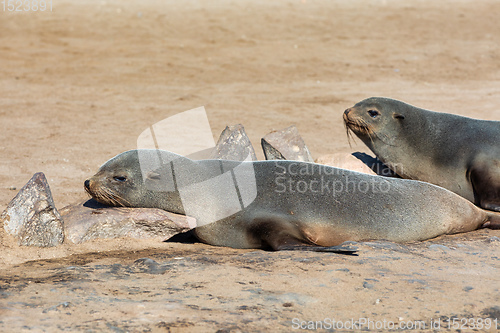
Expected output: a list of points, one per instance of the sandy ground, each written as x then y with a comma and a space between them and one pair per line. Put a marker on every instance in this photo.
80, 83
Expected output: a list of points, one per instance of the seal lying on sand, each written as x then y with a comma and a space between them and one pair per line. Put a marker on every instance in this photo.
283, 204
458, 153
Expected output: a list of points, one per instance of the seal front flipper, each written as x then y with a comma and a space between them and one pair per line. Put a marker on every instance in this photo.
275, 233
340, 249
281, 235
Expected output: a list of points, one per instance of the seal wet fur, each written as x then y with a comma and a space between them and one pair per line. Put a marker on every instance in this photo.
458, 153
283, 204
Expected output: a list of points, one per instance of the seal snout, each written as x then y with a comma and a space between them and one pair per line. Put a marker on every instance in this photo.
346, 116
348, 121
88, 188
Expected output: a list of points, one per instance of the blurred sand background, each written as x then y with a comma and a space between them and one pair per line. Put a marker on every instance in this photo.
80, 83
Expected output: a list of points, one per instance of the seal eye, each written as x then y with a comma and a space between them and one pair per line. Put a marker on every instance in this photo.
120, 178
373, 113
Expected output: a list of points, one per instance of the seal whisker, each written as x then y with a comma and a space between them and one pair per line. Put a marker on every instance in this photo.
360, 125
117, 200
104, 195
348, 131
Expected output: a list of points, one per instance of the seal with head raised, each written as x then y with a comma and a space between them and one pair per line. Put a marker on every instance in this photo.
458, 153
283, 204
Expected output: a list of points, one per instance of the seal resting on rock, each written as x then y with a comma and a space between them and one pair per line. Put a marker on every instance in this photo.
283, 204
458, 153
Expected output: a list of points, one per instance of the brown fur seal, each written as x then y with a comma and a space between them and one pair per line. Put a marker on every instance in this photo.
283, 204
458, 153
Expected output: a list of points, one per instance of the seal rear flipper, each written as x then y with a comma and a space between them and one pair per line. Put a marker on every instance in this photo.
493, 221
340, 249
485, 179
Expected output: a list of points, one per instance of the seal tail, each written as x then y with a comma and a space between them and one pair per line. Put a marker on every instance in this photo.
493, 221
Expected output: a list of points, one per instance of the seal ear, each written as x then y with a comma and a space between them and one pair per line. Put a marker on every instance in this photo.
398, 116
153, 175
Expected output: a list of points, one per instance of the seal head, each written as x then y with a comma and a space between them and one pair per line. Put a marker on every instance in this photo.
367, 118
133, 179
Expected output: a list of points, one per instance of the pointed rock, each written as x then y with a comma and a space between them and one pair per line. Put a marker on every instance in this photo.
234, 145
32, 217
270, 152
286, 144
